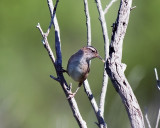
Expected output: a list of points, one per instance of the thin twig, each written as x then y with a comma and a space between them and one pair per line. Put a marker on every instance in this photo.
147, 120
53, 13
57, 32
156, 74
157, 79
158, 118
133, 8
86, 84
88, 22
103, 93
106, 50
108, 6
90, 96
56, 79
58, 62
101, 123
46, 44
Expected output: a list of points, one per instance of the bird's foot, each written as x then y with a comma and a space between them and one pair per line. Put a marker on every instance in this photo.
63, 70
71, 95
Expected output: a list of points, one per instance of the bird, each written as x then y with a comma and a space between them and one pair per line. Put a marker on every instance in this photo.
78, 66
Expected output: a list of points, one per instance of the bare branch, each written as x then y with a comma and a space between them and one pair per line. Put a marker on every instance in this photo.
115, 68
56, 79
101, 123
52, 13
133, 8
90, 96
57, 32
106, 50
76, 113
85, 83
147, 120
40, 29
46, 44
88, 22
103, 93
158, 118
58, 62
108, 6
158, 81
156, 74
104, 27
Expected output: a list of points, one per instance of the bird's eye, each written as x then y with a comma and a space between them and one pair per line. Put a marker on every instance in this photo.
93, 50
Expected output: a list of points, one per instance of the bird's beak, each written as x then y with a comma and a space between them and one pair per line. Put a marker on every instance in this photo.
101, 58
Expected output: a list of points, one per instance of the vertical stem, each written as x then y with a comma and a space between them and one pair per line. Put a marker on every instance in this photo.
101, 122
115, 68
147, 120
158, 118
88, 22
106, 50
58, 67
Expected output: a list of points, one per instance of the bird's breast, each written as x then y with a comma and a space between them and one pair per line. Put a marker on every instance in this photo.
77, 69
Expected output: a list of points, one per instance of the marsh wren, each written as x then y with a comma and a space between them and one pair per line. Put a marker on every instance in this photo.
79, 65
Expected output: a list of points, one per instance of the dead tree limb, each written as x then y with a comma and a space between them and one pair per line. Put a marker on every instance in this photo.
58, 61
115, 68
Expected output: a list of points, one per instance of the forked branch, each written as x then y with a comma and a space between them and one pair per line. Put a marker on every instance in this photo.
101, 123
58, 61
158, 115
108, 6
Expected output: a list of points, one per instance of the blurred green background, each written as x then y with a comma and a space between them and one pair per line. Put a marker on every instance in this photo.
29, 98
